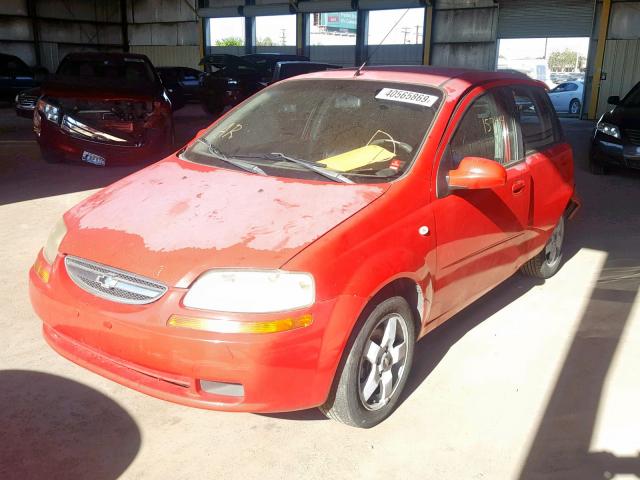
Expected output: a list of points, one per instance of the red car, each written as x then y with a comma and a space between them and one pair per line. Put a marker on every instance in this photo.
292, 254
103, 109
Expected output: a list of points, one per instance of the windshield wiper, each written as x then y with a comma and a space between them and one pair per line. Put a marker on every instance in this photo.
246, 166
325, 172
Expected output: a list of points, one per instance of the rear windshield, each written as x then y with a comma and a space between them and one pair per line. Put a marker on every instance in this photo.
123, 69
367, 131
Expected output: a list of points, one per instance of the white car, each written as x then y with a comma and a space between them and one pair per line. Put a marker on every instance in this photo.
567, 97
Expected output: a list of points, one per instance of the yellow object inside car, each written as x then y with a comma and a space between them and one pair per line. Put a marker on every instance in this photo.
358, 158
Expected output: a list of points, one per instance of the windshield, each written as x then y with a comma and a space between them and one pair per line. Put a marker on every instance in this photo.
366, 131
124, 69
633, 97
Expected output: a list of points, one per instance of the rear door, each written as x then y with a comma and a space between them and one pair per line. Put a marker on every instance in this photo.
479, 232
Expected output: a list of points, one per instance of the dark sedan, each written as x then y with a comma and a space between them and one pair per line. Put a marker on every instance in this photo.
616, 139
16, 76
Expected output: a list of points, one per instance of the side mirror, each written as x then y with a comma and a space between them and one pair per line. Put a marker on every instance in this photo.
614, 100
475, 173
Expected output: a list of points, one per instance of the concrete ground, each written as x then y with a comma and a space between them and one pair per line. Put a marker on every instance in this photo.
537, 380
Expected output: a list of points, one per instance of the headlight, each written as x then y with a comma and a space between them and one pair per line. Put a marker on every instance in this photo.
251, 291
50, 250
608, 129
50, 112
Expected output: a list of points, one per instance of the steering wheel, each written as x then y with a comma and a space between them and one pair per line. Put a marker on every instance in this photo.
404, 146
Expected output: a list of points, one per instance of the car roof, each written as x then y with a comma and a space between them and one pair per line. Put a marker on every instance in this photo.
453, 80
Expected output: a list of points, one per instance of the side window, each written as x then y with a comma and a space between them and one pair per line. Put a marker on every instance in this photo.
487, 129
538, 121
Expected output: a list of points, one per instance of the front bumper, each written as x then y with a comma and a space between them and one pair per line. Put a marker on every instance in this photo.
70, 148
133, 346
611, 151
24, 112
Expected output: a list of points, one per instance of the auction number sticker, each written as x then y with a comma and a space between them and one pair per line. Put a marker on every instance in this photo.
407, 96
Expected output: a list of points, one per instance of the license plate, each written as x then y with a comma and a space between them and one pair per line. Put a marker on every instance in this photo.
93, 159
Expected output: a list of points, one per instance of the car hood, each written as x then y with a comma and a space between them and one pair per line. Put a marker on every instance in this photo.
176, 219
624, 117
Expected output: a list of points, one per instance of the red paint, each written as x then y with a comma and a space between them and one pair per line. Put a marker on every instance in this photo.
174, 220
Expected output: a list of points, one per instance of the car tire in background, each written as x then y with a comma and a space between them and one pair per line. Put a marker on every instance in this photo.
546, 263
212, 108
50, 157
596, 167
574, 107
379, 354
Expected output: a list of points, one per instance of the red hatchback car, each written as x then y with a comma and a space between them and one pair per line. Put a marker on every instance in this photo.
292, 254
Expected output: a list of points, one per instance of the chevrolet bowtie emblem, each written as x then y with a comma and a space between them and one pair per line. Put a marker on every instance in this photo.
106, 281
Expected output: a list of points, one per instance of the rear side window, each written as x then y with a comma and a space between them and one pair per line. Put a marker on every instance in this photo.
538, 120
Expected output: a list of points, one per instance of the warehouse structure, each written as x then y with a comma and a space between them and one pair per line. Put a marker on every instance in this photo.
457, 32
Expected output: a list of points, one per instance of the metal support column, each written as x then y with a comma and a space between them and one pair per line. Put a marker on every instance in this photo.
427, 36
302, 34
35, 27
249, 31
362, 37
603, 30
124, 25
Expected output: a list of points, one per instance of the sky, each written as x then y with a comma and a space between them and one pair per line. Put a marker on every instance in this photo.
525, 48
380, 23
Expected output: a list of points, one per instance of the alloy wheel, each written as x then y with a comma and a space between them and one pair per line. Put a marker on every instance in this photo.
553, 249
383, 362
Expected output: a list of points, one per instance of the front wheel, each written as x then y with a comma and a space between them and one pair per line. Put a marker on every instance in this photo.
547, 262
574, 107
368, 386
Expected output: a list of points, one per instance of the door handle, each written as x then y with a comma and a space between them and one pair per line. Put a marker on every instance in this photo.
518, 187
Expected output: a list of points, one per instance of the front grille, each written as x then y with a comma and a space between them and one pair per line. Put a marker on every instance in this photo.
111, 283
27, 102
634, 136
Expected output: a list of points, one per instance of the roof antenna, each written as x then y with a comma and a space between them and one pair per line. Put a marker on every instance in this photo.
358, 72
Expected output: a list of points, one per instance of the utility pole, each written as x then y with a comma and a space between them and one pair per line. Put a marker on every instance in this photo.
406, 31
283, 37
418, 27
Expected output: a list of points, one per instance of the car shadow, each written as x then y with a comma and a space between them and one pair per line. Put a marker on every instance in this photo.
56, 428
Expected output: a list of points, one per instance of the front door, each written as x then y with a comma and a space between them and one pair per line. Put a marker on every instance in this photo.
478, 232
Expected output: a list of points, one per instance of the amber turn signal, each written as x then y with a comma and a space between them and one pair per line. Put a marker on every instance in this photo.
235, 326
42, 269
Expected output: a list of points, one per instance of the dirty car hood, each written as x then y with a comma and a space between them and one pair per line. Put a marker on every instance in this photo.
176, 219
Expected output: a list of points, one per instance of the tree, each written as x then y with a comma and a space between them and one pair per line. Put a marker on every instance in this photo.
564, 61
265, 42
230, 42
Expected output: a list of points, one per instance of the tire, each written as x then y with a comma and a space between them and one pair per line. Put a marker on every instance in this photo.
546, 263
596, 167
50, 157
358, 397
574, 107
212, 108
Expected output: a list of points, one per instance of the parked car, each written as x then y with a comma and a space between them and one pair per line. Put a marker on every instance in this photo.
104, 108
567, 97
292, 253
288, 69
228, 80
266, 63
616, 138
16, 76
25, 102
188, 80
